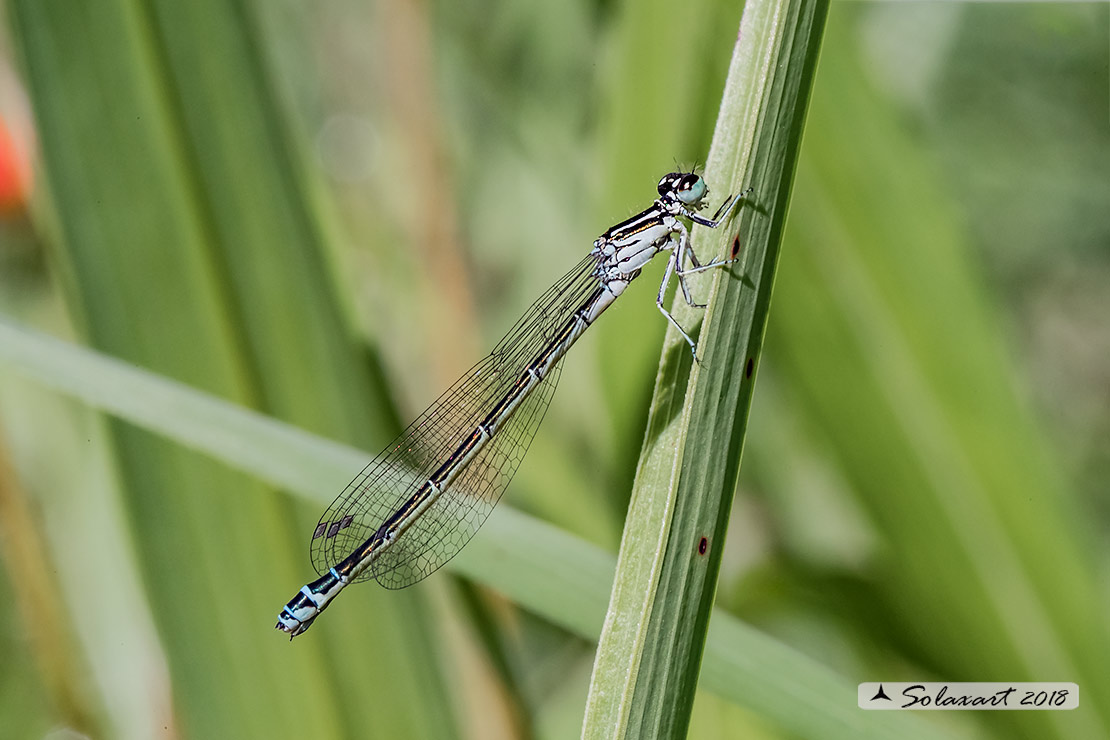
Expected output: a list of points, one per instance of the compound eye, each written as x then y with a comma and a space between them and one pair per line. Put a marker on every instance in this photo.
669, 184
691, 189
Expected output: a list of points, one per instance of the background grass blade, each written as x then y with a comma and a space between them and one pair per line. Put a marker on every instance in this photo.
888, 337
649, 657
190, 247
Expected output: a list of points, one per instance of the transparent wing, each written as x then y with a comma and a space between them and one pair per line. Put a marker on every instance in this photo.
449, 523
394, 476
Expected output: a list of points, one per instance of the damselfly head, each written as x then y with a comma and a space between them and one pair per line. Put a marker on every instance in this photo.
686, 188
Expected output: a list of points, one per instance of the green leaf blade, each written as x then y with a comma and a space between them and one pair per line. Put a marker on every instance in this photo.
649, 658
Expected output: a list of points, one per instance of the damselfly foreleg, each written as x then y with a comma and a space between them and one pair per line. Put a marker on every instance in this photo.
683, 250
722, 213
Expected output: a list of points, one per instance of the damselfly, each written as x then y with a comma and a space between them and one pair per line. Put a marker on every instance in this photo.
421, 500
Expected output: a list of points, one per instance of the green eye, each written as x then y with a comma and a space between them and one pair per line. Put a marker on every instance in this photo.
691, 190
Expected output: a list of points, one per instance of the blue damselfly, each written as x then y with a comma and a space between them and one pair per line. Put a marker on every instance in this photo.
421, 500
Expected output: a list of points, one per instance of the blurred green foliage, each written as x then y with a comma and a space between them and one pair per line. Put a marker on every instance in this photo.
326, 212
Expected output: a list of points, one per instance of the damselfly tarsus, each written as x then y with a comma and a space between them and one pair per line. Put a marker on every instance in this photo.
421, 500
